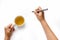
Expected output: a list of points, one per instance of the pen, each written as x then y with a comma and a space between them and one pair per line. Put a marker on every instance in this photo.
42, 10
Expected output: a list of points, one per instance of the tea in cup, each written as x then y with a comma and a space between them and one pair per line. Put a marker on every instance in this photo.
19, 21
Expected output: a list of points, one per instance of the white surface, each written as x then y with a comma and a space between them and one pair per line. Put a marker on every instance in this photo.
32, 30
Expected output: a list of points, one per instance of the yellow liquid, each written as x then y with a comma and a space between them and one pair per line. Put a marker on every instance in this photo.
19, 20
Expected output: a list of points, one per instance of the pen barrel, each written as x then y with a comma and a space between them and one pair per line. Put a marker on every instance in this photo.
42, 10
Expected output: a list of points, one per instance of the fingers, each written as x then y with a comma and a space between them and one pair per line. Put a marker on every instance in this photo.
40, 8
10, 28
37, 11
7, 30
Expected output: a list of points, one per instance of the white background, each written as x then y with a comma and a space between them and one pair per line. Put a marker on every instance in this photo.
32, 30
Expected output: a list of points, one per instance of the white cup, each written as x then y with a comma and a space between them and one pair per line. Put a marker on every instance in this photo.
19, 21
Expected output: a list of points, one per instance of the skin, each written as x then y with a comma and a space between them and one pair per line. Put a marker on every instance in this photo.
9, 31
40, 16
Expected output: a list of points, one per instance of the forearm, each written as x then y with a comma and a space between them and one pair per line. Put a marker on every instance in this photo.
50, 35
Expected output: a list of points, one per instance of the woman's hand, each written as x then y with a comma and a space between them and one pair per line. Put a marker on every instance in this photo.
8, 31
40, 15
49, 34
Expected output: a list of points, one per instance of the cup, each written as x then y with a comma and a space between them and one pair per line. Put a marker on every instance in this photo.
19, 21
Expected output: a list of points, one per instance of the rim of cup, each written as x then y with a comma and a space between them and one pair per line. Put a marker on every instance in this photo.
22, 23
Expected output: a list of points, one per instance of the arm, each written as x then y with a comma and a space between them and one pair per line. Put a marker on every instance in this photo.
8, 32
40, 16
50, 35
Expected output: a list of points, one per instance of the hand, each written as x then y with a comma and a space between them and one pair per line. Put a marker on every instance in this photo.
40, 15
9, 30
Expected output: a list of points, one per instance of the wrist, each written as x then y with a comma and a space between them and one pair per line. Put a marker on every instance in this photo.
7, 38
42, 20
